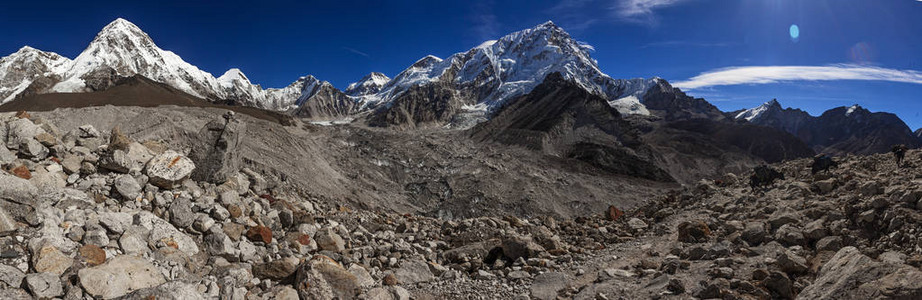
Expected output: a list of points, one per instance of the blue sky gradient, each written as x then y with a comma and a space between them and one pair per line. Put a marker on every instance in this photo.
275, 42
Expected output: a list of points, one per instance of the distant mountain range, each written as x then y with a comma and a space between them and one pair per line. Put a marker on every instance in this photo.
839, 130
460, 91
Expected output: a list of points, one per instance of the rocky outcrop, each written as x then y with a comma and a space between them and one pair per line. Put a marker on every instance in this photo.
852, 275
215, 151
327, 103
561, 119
430, 105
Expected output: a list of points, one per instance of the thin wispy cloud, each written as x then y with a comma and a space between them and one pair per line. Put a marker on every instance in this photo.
777, 74
486, 24
581, 14
356, 52
641, 11
689, 44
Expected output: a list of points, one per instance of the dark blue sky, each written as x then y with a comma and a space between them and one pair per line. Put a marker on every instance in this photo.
340, 41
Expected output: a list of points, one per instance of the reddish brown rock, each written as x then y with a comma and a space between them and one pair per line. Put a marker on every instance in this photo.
693, 232
390, 279
21, 171
92, 255
304, 239
260, 234
23, 115
613, 213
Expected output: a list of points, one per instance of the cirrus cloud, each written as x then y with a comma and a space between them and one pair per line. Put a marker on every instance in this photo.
776, 74
641, 11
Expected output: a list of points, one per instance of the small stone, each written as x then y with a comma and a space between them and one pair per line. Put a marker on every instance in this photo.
413, 271
790, 263
546, 286
11, 275
88, 131
693, 232
119, 276
613, 213
484, 275
44, 285
181, 214
390, 279
328, 240
277, 269
636, 224
127, 186
829, 243
34, 149
789, 235
50, 260
323, 278
202, 223
234, 230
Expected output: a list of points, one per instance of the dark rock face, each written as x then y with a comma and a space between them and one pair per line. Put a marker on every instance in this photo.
216, 150
561, 119
768, 144
433, 104
673, 104
327, 103
857, 130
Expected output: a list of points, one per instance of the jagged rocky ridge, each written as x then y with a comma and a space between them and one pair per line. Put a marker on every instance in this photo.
839, 130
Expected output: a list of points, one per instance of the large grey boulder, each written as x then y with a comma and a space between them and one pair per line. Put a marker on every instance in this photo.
119, 276
548, 284
216, 151
7, 223
852, 275
44, 285
20, 131
413, 271
169, 169
173, 290
16, 189
324, 278
128, 187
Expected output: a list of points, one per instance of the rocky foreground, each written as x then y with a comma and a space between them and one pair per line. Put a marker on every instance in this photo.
93, 214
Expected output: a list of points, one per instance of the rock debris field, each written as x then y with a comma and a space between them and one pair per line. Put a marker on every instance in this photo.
90, 213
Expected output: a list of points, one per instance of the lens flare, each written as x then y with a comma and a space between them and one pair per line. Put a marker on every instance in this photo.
795, 32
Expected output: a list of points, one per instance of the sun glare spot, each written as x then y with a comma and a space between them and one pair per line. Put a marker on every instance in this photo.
795, 32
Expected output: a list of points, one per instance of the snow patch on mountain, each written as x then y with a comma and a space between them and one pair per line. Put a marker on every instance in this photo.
756, 112
629, 105
852, 109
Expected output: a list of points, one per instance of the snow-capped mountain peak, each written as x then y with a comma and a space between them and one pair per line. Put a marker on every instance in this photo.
233, 74
758, 111
513, 65
370, 84
20, 69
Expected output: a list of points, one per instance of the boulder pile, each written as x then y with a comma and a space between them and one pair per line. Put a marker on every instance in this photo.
88, 213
